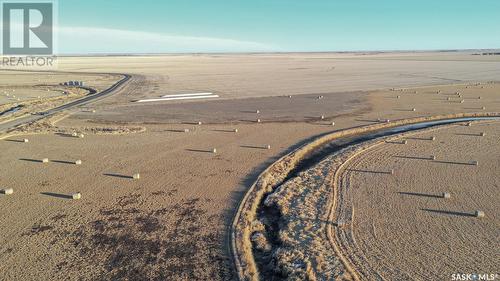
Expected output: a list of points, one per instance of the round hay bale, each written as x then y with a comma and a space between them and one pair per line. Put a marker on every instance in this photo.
214, 150
413, 109
482, 134
333, 124
78, 162
7, 191
479, 214
199, 123
186, 130
45, 160
235, 130
268, 146
446, 195
258, 121
136, 176
76, 196
433, 158
26, 140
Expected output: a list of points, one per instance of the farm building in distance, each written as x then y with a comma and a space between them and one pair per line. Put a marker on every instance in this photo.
74, 83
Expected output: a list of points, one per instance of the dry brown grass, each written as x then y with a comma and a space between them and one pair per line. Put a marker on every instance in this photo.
246, 215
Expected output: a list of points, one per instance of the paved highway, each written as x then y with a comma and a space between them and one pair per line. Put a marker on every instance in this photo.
86, 100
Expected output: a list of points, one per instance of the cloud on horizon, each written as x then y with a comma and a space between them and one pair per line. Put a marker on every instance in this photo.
91, 40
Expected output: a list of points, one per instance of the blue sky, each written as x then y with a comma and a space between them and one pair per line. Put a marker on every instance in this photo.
173, 26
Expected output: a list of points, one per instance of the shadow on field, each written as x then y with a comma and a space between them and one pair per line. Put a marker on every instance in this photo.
63, 162
454, 163
452, 213
15, 140
254, 147
118, 176
199, 150
31, 160
417, 138
411, 157
57, 195
420, 194
469, 135
395, 142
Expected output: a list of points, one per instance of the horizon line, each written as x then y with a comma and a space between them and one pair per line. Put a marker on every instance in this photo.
279, 52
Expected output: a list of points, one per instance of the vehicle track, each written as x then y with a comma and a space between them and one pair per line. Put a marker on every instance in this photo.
279, 172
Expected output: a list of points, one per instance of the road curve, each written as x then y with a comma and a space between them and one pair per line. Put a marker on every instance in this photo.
83, 101
247, 216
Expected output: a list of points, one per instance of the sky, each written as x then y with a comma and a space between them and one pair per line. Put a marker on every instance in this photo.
202, 26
